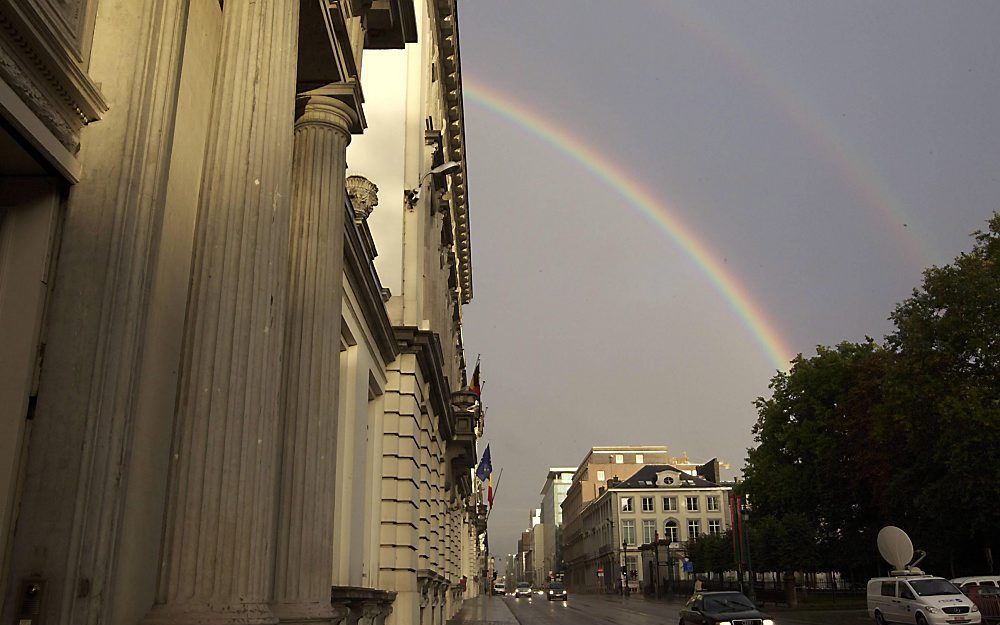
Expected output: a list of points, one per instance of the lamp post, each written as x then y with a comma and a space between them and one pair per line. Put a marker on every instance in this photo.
624, 565
656, 558
670, 570
745, 517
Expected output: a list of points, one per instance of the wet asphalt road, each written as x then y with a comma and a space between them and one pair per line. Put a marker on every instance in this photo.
615, 610
591, 610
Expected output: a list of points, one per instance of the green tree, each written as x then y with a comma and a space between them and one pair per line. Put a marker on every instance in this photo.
712, 553
812, 465
905, 432
941, 420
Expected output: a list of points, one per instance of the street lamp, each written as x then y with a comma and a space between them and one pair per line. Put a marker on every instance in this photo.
448, 167
624, 565
745, 516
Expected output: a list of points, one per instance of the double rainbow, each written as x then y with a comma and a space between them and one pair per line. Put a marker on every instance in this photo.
854, 168
661, 214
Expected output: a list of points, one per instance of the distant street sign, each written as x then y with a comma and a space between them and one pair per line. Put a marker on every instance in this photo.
689, 567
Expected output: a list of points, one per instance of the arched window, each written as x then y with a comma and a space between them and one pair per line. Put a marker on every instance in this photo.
670, 531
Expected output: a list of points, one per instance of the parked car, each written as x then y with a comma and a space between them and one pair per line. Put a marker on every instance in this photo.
523, 589
557, 592
986, 596
979, 580
713, 608
919, 600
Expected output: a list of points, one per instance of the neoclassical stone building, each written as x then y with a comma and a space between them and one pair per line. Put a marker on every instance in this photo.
231, 378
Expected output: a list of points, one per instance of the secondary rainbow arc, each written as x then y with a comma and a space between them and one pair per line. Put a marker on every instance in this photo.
651, 206
854, 168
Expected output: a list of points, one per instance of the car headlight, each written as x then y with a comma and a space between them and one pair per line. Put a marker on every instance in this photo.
932, 609
975, 608
768, 621
725, 623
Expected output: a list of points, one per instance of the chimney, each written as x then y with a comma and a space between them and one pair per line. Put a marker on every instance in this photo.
710, 471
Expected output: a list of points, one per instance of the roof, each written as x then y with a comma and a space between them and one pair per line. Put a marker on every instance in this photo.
646, 477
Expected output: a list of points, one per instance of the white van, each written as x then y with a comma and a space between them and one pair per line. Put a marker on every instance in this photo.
919, 600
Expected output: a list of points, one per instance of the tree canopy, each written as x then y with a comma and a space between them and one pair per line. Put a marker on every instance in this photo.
905, 431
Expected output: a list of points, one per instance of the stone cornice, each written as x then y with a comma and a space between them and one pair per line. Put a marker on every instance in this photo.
450, 61
426, 345
361, 272
48, 76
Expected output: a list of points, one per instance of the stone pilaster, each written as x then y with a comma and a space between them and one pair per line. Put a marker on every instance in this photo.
437, 534
304, 559
427, 530
400, 490
218, 552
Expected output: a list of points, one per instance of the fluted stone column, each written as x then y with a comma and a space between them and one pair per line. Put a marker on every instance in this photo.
218, 553
304, 562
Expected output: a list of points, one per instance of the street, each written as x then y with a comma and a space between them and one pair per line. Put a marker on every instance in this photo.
591, 609
605, 609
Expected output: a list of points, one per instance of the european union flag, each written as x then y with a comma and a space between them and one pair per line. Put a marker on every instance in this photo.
485, 467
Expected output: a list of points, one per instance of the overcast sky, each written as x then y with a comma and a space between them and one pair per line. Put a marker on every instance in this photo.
823, 152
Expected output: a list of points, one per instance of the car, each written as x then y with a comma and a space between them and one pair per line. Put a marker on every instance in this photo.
499, 588
919, 600
556, 592
714, 608
523, 589
986, 596
978, 580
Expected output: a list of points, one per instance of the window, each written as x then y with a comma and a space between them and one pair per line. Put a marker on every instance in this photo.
638, 458
905, 592
648, 505
601, 477
670, 531
619, 459
648, 531
712, 503
670, 504
692, 503
628, 505
694, 529
888, 589
628, 532
714, 527
932, 587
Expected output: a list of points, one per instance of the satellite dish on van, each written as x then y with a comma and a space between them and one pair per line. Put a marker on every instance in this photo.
895, 546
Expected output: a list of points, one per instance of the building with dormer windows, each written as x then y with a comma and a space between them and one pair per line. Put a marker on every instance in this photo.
658, 502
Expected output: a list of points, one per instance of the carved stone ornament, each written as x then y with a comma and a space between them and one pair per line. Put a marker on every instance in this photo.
364, 196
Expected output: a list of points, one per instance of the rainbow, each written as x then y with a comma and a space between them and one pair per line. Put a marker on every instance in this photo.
659, 213
858, 172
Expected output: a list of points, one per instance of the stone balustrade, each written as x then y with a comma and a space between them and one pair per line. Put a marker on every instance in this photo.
361, 606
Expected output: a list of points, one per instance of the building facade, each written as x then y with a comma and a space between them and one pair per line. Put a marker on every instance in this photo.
658, 503
233, 376
553, 493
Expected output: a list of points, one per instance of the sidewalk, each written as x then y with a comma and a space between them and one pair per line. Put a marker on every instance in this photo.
484, 611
